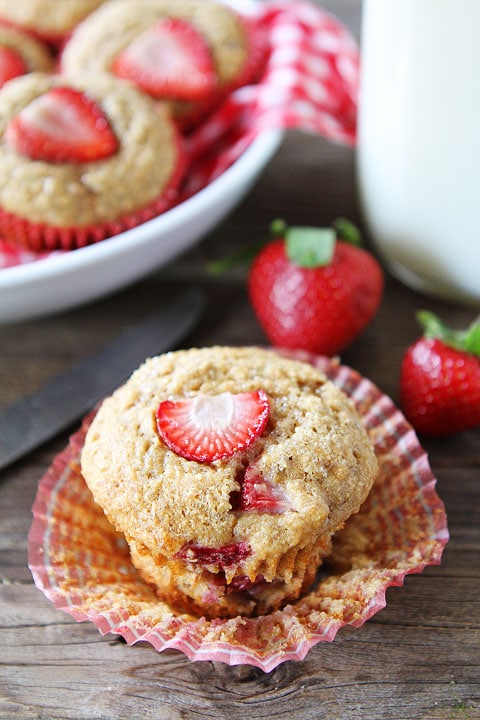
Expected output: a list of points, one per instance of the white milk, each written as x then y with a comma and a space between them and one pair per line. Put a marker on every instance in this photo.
418, 154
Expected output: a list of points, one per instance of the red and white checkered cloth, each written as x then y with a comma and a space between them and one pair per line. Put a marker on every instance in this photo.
309, 83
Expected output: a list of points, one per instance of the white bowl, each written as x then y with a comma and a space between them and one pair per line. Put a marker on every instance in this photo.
64, 281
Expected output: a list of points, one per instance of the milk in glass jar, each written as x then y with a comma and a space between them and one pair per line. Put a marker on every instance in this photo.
418, 154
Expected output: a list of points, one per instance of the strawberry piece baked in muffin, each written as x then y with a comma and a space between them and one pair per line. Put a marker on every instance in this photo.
188, 53
82, 159
21, 54
228, 470
49, 20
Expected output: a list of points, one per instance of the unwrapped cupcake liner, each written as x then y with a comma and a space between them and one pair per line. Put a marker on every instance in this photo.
309, 82
83, 565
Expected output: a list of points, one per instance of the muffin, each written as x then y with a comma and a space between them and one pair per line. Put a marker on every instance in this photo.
82, 159
21, 54
49, 20
188, 53
228, 470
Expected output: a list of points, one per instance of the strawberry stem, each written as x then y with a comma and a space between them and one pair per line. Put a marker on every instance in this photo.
310, 247
467, 340
314, 247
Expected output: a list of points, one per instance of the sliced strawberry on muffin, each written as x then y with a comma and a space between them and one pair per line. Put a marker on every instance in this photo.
225, 556
82, 159
257, 494
11, 64
21, 54
62, 125
206, 428
189, 53
169, 60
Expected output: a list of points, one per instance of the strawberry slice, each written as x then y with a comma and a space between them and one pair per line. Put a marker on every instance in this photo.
225, 556
62, 125
11, 64
241, 583
211, 427
259, 495
169, 60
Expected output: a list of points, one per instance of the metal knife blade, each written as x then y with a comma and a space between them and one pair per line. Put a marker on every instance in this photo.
36, 418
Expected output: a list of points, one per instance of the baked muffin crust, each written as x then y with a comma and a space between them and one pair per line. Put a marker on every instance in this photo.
314, 450
78, 194
47, 18
94, 45
34, 54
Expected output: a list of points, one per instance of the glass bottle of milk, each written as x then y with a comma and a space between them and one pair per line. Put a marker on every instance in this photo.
418, 155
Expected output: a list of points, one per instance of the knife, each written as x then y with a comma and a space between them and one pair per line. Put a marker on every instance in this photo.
36, 418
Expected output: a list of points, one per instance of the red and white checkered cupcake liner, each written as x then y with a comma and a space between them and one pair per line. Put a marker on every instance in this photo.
83, 566
309, 83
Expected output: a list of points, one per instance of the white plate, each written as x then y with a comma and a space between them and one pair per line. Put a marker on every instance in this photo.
67, 280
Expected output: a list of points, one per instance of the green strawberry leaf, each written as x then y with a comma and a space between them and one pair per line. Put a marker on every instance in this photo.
310, 247
472, 338
463, 340
347, 231
241, 257
432, 326
278, 228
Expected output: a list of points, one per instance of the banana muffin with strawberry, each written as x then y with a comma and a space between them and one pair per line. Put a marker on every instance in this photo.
187, 53
82, 159
228, 470
48, 20
20, 54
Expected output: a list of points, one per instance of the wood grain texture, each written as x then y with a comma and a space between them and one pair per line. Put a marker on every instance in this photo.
418, 659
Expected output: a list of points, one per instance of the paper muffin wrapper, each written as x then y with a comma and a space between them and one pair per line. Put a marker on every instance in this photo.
42, 237
83, 565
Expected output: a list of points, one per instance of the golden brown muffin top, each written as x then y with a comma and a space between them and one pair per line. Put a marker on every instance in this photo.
71, 193
49, 18
34, 54
313, 451
94, 45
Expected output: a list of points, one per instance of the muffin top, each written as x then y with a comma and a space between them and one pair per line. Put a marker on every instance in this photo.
211, 35
20, 54
49, 19
94, 46
119, 149
305, 467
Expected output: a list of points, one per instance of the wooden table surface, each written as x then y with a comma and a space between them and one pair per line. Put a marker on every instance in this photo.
418, 658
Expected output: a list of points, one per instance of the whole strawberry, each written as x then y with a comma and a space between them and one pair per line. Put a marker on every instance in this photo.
312, 290
440, 378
